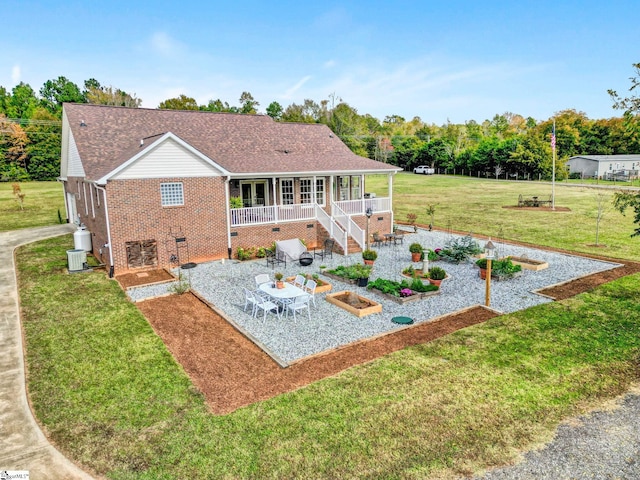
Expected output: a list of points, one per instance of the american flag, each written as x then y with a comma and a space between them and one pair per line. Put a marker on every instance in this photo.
553, 137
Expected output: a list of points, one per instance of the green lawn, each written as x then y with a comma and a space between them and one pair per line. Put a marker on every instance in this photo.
471, 205
43, 201
111, 396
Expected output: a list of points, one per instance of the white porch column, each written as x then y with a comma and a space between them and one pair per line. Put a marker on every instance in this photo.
390, 193
362, 190
275, 200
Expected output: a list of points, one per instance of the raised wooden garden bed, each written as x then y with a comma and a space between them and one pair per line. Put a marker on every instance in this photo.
340, 279
529, 263
402, 300
324, 288
354, 303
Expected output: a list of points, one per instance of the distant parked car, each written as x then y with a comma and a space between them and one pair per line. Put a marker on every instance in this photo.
424, 170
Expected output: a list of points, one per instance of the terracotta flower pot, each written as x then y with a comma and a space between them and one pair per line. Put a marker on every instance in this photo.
483, 273
279, 284
415, 257
435, 282
368, 262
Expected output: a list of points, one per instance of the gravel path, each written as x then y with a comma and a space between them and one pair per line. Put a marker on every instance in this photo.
602, 445
330, 327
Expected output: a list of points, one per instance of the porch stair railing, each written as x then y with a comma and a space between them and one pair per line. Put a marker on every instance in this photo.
351, 228
333, 228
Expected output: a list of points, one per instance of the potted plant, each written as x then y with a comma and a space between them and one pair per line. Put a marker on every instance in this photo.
363, 271
279, 283
369, 256
436, 275
416, 252
482, 265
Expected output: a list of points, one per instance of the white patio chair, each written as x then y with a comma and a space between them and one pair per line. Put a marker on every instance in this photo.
299, 281
310, 287
300, 302
249, 299
266, 306
262, 278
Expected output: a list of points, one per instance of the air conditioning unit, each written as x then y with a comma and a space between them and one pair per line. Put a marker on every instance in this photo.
76, 260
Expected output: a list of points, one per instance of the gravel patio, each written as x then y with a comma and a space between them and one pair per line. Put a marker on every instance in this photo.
331, 327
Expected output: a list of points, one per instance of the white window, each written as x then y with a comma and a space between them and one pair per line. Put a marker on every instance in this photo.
355, 188
320, 191
171, 194
286, 191
306, 190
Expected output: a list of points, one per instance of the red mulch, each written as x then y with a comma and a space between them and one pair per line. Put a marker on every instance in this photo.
232, 372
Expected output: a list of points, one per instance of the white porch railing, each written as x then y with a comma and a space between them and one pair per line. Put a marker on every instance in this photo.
359, 207
346, 222
272, 214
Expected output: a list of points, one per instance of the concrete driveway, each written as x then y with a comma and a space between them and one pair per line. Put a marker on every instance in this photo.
23, 446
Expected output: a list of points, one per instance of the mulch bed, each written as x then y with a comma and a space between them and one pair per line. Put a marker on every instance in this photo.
232, 372
146, 277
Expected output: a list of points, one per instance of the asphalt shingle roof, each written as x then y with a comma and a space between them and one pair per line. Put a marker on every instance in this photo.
241, 144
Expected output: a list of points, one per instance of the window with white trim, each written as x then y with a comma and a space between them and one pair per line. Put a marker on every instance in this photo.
286, 191
306, 190
320, 191
171, 194
355, 188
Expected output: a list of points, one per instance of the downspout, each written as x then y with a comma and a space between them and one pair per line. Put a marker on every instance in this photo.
66, 198
227, 195
106, 216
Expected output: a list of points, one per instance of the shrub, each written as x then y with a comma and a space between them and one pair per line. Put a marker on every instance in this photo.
460, 249
351, 272
504, 268
437, 273
481, 263
235, 202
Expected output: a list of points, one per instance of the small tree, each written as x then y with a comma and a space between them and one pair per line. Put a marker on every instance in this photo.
18, 195
431, 213
623, 200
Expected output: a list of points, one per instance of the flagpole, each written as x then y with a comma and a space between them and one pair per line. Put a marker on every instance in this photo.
553, 174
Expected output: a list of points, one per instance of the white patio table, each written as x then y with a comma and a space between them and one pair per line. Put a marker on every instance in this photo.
289, 291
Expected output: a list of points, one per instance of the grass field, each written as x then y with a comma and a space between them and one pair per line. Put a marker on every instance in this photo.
110, 395
471, 205
42, 203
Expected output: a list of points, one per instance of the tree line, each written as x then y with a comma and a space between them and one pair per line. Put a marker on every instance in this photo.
507, 145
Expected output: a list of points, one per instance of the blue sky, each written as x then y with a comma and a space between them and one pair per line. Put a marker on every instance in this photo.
457, 61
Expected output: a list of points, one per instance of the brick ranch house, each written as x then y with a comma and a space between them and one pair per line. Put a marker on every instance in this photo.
155, 187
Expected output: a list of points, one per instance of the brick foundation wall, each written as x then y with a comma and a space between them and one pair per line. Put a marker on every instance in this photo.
136, 214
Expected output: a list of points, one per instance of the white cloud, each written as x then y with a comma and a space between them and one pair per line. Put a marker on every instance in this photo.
164, 45
289, 93
329, 64
16, 74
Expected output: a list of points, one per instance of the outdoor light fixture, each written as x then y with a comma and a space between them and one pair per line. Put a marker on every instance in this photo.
369, 212
490, 251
